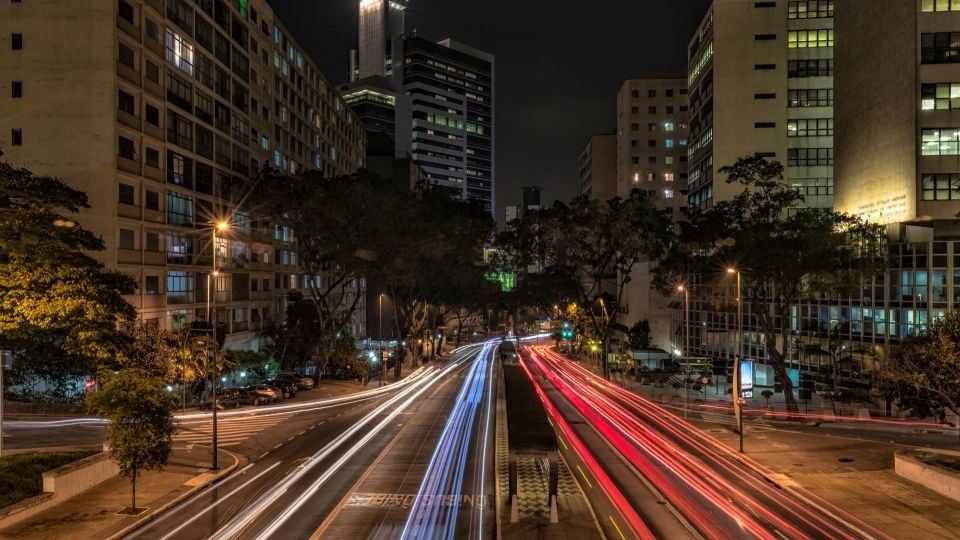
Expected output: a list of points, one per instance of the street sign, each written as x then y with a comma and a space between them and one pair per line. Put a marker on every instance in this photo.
746, 379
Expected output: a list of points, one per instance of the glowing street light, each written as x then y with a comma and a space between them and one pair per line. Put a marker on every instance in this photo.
221, 226
736, 397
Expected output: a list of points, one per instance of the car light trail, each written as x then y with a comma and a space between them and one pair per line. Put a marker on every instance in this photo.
393, 407
717, 490
429, 518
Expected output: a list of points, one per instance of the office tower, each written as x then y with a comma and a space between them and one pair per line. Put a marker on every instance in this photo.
153, 109
760, 76
381, 26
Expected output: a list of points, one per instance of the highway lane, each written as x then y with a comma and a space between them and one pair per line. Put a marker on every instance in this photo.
289, 491
721, 493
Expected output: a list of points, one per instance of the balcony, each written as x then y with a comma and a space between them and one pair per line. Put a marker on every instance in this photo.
128, 211
128, 256
128, 119
128, 165
153, 216
154, 258
128, 28
127, 73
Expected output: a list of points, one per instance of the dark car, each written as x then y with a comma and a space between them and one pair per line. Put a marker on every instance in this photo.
254, 395
226, 397
288, 388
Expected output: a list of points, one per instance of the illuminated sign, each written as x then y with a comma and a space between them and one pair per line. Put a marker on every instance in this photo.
746, 379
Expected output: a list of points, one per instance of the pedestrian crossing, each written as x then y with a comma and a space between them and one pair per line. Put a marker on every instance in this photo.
231, 431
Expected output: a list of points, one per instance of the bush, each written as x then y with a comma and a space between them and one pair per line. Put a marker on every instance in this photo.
21, 475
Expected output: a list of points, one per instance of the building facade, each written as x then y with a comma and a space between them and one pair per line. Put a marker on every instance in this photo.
173, 102
651, 155
598, 168
761, 83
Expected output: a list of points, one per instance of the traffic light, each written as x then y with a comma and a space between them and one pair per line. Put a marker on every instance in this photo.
806, 386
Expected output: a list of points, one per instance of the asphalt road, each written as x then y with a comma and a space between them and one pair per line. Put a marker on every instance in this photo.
413, 489
288, 491
716, 490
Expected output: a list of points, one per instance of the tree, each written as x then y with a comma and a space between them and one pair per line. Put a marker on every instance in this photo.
141, 423
639, 335
592, 247
336, 222
785, 254
57, 303
151, 350
924, 372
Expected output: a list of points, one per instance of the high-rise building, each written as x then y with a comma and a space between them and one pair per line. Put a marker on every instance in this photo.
598, 168
760, 76
452, 130
153, 109
381, 28
651, 155
438, 96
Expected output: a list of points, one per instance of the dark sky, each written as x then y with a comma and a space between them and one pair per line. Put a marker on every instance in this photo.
559, 65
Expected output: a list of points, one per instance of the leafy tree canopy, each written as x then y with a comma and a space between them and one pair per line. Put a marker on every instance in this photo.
59, 307
784, 253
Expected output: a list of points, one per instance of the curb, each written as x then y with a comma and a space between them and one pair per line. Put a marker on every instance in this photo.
183, 496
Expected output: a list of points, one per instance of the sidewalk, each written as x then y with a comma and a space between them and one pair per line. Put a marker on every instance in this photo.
93, 514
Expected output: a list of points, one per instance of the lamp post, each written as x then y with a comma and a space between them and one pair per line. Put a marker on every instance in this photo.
606, 318
737, 397
383, 365
211, 315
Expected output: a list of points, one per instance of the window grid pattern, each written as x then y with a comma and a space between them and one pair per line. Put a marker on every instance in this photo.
810, 9
940, 47
940, 96
805, 39
940, 187
804, 157
810, 127
940, 142
811, 97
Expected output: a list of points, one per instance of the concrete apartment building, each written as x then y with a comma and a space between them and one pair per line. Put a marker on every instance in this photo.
152, 108
761, 83
651, 154
598, 167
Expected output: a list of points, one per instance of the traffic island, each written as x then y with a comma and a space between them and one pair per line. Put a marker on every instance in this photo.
938, 470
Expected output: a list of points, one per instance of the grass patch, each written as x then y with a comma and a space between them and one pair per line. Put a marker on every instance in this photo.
21, 475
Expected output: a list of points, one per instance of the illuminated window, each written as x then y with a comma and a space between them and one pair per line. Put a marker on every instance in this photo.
810, 9
803, 39
668, 177
940, 142
179, 52
810, 127
668, 126
668, 143
939, 5
668, 193
940, 96
941, 187
814, 97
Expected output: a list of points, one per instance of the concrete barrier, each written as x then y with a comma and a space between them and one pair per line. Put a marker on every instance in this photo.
944, 481
59, 485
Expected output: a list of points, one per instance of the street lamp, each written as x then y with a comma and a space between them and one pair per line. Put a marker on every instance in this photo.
606, 318
221, 226
686, 345
737, 397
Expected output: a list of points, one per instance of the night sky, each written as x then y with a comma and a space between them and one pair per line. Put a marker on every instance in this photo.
559, 65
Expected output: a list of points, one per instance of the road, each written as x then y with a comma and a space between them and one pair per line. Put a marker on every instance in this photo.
436, 478
718, 492
289, 491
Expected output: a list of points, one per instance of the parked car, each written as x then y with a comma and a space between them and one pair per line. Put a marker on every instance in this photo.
277, 392
302, 381
288, 388
226, 397
254, 395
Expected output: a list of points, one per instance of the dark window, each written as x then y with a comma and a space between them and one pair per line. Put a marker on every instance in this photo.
651, 93
151, 284
799, 157
16, 41
125, 102
763, 125
127, 148
205, 34
766, 154
179, 170
16, 137
153, 72
152, 240
127, 57
764, 4
652, 110
181, 14
940, 47
153, 115
764, 37
222, 48
152, 200
152, 157
764, 96
151, 29
125, 10
179, 130
17, 89
180, 92
126, 239
809, 68
126, 194
204, 178
670, 92
652, 143
634, 93
669, 109
204, 142
760, 67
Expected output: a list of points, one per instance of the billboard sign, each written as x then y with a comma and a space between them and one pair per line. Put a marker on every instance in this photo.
746, 379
